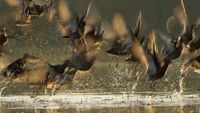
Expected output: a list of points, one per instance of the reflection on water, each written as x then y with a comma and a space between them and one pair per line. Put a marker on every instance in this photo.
91, 103
135, 109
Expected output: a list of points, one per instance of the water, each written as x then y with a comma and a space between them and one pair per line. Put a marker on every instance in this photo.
102, 103
87, 92
146, 109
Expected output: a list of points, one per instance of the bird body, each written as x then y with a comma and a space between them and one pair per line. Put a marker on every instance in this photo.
34, 71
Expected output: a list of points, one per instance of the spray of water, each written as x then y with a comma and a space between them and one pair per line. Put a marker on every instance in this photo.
181, 84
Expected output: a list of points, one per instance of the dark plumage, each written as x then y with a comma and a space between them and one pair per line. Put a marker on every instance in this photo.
28, 8
32, 9
35, 71
122, 44
170, 49
155, 66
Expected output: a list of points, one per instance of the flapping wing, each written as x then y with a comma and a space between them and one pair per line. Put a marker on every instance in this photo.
119, 24
69, 29
168, 46
139, 53
92, 15
50, 14
13, 3
32, 63
181, 15
109, 33
138, 25
195, 29
152, 47
128, 41
63, 11
151, 43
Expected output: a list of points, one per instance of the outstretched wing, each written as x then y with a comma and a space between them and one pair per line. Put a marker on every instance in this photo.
139, 53
63, 11
119, 24
168, 46
138, 25
181, 15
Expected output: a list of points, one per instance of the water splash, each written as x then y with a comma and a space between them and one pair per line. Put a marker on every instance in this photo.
181, 84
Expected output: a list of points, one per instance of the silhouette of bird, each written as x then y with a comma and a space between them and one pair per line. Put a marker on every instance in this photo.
170, 49
148, 55
28, 9
83, 58
122, 43
33, 9
35, 71
187, 30
85, 55
77, 28
158, 65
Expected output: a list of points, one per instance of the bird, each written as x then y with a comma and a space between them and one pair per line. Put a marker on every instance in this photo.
193, 64
77, 28
193, 45
33, 9
83, 59
86, 53
28, 9
148, 55
170, 48
121, 45
35, 71
158, 65
174, 46
187, 33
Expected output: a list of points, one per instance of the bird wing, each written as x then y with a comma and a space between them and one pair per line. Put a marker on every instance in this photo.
93, 15
139, 53
168, 45
195, 29
126, 46
152, 47
181, 14
64, 11
69, 29
13, 3
119, 25
138, 25
32, 63
109, 33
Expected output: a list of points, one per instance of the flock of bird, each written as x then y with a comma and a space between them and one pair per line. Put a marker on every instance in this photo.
86, 39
